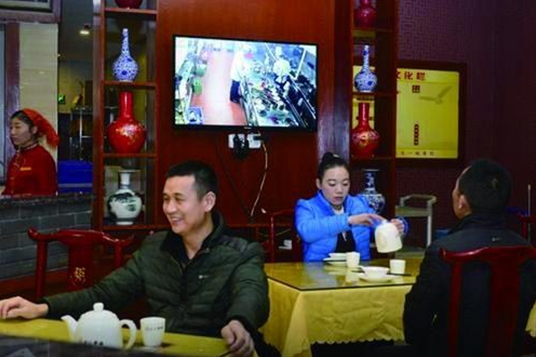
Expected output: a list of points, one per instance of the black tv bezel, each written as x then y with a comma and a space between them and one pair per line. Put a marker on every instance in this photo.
243, 128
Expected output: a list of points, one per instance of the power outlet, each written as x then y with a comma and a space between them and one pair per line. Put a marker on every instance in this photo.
254, 140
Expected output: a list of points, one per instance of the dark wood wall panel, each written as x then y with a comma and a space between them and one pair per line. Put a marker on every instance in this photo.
292, 157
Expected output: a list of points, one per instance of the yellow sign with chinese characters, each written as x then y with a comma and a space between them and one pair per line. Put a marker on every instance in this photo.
427, 114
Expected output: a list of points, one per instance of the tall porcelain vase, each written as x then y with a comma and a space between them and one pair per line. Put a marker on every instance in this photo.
125, 69
364, 140
126, 135
125, 204
375, 199
365, 80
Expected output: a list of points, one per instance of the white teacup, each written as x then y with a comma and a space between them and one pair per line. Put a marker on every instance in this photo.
152, 330
352, 259
387, 238
397, 266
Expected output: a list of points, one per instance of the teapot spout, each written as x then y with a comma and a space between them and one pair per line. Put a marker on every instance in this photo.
71, 326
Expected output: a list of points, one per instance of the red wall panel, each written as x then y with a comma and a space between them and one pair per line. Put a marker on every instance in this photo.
292, 157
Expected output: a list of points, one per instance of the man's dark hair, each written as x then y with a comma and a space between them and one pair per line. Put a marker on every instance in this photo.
487, 186
329, 161
204, 176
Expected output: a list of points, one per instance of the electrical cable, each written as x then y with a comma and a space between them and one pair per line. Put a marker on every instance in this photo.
229, 178
263, 180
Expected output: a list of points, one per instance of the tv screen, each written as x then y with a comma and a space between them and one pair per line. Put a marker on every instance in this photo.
228, 83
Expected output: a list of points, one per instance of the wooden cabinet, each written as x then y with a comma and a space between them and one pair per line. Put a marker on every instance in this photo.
382, 39
108, 22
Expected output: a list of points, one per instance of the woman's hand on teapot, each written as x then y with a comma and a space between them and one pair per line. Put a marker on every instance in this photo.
365, 219
399, 225
19, 307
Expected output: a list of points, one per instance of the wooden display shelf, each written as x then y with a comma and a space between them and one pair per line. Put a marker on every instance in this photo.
369, 95
112, 155
146, 14
131, 85
372, 160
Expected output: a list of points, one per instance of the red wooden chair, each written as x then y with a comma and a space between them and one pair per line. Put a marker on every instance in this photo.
281, 229
80, 244
505, 264
526, 222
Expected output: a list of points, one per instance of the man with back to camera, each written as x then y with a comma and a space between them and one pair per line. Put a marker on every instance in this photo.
479, 200
202, 281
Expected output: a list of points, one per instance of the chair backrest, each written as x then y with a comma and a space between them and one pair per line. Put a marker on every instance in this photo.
505, 274
281, 228
80, 245
527, 221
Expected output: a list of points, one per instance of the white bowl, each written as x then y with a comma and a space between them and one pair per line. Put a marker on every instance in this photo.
375, 272
338, 256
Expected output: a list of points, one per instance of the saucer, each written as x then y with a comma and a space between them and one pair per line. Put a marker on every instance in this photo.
335, 262
335, 259
337, 256
383, 279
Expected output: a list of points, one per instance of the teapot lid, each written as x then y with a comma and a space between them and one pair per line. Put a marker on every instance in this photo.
98, 313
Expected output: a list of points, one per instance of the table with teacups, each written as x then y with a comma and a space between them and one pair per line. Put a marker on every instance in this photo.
56, 331
323, 303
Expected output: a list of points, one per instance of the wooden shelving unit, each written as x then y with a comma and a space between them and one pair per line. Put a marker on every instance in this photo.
383, 39
108, 21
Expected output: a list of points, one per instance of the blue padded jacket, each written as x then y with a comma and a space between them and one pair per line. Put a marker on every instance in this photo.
318, 226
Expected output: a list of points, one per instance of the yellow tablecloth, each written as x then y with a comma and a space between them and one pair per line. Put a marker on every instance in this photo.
173, 344
313, 303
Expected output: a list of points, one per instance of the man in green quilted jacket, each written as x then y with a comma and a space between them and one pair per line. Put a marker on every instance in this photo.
201, 280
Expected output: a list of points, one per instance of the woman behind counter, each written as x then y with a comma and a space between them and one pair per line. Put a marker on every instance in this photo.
333, 220
32, 170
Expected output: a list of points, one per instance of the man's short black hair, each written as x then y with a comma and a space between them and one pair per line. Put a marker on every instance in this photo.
487, 186
204, 176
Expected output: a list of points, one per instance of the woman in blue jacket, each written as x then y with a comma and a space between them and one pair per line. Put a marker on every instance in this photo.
333, 220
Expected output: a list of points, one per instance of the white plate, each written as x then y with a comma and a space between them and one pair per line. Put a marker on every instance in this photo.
383, 279
334, 262
337, 256
330, 259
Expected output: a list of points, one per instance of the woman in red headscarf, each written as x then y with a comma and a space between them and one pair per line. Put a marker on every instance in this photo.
32, 171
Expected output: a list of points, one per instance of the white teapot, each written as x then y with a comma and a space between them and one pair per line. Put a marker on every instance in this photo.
100, 327
387, 238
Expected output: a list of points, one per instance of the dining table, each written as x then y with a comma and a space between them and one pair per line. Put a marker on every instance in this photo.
38, 337
322, 303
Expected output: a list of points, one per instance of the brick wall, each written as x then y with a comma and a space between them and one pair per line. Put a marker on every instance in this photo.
47, 214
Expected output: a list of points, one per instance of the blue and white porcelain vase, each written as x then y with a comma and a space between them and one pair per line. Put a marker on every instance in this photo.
125, 204
375, 199
365, 80
125, 68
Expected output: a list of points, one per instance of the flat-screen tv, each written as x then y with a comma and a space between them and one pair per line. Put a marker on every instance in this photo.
231, 83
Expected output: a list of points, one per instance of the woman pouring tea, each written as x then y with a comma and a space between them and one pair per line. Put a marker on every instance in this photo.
32, 171
333, 221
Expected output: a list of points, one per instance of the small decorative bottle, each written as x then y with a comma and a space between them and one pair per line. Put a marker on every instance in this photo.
365, 80
124, 204
126, 135
364, 139
375, 199
365, 14
125, 69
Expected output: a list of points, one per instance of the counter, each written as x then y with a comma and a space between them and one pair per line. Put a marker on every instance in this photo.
44, 213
